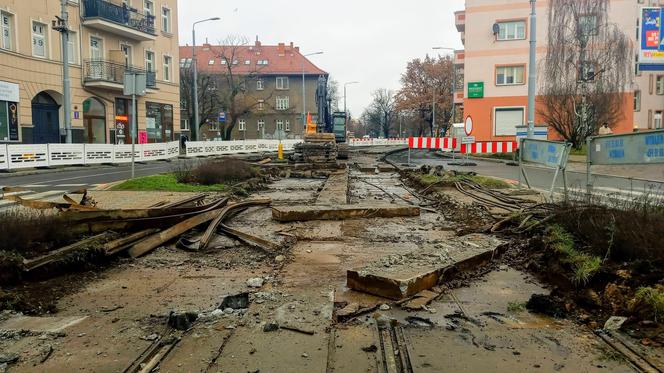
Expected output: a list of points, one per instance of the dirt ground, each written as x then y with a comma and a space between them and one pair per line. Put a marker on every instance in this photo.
107, 318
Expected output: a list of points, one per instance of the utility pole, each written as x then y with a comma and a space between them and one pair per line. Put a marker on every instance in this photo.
61, 24
194, 126
433, 121
532, 69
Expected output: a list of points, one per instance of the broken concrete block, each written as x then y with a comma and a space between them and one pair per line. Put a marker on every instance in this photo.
236, 302
401, 276
181, 321
255, 282
342, 212
270, 327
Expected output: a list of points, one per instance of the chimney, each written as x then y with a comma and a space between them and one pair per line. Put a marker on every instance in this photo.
297, 49
258, 43
281, 48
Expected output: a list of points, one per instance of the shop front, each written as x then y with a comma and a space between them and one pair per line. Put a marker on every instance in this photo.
158, 122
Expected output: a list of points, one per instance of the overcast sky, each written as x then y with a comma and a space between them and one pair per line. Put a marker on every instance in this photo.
365, 40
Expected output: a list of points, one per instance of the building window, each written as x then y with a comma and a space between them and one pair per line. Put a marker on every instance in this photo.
505, 120
261, 105
247, 62
515, 30
586, 72
148, 7
159, 122
282, 82
167, 68
262, 62
9, 117
72, 47
96, 49
7, 31
261, 125
637, 100
128, 54
657, 119
280, 125
39, 41
242, 125
166, 20
587, 25
287, 128
282, 103
659, 85
184, 124
259, 85
510, 75
211, 62
149, 61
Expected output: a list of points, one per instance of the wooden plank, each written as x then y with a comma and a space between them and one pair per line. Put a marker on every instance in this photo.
114, 247
341, 212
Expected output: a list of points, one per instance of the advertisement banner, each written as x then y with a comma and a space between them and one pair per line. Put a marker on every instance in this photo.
652, 45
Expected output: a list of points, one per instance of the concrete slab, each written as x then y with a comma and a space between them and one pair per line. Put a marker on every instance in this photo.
401, 276
305, 213
335, 190
41, 324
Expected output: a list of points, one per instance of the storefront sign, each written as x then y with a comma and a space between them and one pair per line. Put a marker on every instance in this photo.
121, 123
9, 92
476, 90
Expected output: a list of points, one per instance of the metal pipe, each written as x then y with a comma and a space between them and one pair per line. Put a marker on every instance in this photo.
532, 69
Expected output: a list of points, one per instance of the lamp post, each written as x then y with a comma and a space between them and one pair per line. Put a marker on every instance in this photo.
345, 109
304, 97
194, 127
532, 69
454, 77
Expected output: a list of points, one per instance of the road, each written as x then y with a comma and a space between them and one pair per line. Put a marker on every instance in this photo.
540, 178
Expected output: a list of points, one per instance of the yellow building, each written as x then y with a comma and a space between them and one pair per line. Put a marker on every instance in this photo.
107, 38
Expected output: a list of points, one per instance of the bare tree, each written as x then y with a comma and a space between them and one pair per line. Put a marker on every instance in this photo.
235, 97
587, 69
209, 102
333, 94
380, 114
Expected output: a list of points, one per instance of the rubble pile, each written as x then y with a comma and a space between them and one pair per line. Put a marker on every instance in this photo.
319, 149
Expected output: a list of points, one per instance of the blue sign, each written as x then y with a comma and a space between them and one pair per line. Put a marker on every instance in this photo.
222, 117
635, 148
548, 153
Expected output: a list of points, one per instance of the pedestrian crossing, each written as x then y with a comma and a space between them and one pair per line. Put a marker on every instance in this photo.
47, 192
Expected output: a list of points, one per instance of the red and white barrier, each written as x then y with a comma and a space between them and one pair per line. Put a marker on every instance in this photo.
377, 142
432, 143
489, 147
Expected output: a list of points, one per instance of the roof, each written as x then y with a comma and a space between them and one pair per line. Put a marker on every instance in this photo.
261, 59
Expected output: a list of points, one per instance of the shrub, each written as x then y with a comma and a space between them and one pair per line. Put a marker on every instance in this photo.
583, 265
224, 171
183, 172
653, 298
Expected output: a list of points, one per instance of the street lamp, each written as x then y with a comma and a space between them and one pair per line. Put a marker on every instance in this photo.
194, 127
453, 87
304, 97
345, 110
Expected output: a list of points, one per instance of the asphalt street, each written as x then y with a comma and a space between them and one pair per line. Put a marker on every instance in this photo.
540, 178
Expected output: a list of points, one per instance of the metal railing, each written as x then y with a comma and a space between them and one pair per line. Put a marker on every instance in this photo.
121, 15
112, 72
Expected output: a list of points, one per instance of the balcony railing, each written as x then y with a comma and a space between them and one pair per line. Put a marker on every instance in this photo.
111, 72
121, 15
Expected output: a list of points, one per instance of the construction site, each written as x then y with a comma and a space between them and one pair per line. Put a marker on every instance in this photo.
320, 264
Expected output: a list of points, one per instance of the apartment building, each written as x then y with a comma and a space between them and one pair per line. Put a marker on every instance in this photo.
107, 39
495, 59
273, 77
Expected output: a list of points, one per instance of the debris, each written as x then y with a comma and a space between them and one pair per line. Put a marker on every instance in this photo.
151, 337
297, 329
205, 239
249, 239
279, 258
236, 301
181, 321
371, 348
305, 355
420, 300
217, 313
384, 307
31, 264
419, 321
150, 358
121, 244
349, 310
614, 322
255, 282
8, 357
341, 212
111, 309
228, 311
270, 327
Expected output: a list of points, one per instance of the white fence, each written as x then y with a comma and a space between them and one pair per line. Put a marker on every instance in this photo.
377, 142
19, 156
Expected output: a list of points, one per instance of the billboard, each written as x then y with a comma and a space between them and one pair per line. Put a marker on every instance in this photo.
652, 44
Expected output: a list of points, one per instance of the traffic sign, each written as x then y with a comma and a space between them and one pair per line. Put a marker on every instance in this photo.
468, 126
222, 117
466, 140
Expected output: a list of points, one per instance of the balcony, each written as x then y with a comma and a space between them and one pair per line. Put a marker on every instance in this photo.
120, 20
460, 20
110, 75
